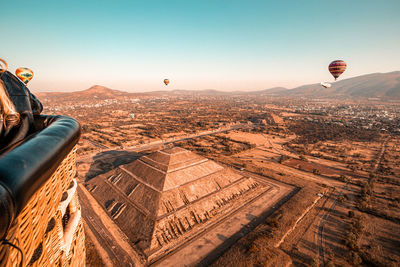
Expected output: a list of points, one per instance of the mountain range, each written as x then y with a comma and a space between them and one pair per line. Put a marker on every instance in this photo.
376, 85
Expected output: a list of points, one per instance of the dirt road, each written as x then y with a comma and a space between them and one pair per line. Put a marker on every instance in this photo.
114, 244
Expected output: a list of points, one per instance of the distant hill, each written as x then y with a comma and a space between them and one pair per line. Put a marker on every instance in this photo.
190, 92
376, 85
270, 91
94, 92
102, 91
213, 92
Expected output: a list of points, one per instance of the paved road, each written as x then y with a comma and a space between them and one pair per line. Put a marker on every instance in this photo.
118, 256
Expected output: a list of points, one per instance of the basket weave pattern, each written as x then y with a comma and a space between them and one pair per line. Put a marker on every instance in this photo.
38, 230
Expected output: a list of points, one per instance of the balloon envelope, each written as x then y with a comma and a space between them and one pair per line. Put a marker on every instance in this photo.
24, 74
3, 65
326, 85
166, 81
337, 67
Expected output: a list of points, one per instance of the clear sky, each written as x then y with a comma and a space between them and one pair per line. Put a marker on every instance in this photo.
202, 44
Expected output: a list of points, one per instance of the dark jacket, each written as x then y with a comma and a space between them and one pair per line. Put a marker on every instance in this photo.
26, 105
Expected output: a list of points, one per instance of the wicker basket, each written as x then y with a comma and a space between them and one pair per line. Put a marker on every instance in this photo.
39, 230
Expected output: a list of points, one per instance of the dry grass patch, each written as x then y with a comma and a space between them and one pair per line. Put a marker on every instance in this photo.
258, 247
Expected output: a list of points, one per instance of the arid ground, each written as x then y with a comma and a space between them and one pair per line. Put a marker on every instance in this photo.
340, 160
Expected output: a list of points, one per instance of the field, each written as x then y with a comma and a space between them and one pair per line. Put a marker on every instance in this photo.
341, 158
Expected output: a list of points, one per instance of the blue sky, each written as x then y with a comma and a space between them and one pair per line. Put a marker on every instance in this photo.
207, 44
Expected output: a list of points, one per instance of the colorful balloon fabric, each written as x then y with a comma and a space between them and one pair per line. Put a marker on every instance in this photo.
337, 67
166, 81
3, 65
24, 74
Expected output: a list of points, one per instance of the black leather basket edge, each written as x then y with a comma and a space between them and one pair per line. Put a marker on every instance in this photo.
27, 165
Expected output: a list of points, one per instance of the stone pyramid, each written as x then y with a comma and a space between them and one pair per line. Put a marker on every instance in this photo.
165, 198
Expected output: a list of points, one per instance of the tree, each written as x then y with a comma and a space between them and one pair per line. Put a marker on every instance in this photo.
343, 178
316, 171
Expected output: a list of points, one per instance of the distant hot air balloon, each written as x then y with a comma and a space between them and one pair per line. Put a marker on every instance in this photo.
337, 67
166, 81
325, 84
24, 74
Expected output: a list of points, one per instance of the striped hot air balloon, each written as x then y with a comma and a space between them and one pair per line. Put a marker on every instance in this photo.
337, 67
166, 81
3, 66
24, 74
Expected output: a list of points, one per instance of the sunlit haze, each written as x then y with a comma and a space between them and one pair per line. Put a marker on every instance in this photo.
223, 45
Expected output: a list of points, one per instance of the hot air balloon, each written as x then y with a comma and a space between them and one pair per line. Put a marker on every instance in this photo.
325, 84
3, 66
166, 81
24, 74
337, 67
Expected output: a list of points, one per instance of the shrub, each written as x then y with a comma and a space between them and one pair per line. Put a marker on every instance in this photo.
253, 248
315, 262
273, 222
343, 178
355, 258
351, 241
282, 158
358, 225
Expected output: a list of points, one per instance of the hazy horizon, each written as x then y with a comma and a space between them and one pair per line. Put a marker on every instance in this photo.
167, 88
225, 45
